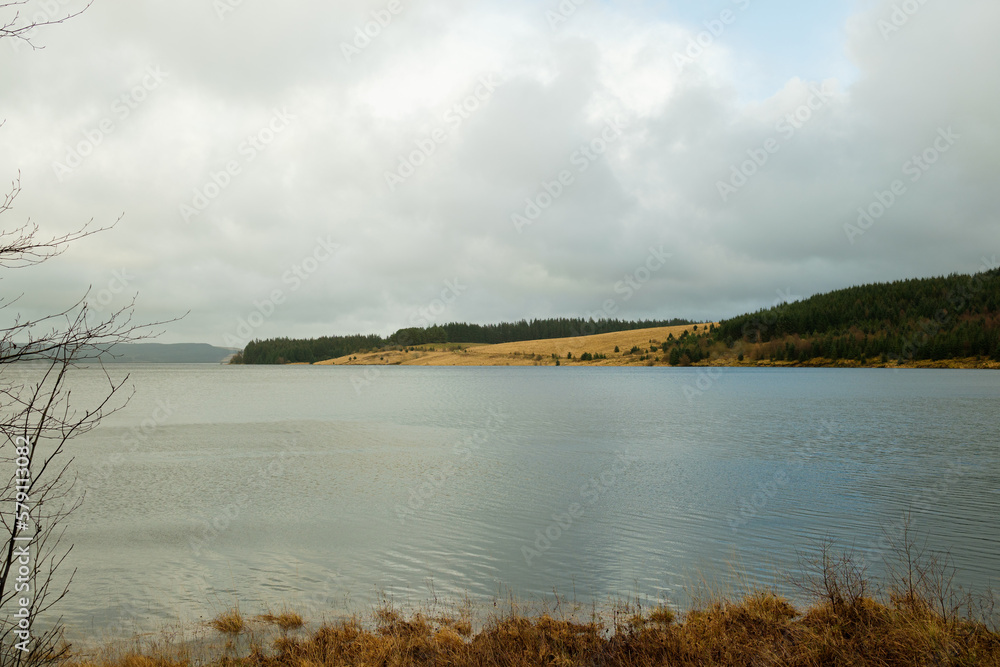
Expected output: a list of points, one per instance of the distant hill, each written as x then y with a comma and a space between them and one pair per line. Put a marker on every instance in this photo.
161, 353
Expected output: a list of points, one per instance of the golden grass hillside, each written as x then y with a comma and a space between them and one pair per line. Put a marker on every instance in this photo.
526, 353
649, 353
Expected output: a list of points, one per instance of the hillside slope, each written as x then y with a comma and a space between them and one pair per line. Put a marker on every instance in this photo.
533, 352
929, 319
291, 350
951, 322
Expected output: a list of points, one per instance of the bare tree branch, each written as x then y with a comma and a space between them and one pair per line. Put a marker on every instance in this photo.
20, 246
39, 411
20, 28
38, 419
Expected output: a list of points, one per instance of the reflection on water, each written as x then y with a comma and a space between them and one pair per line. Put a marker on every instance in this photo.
287, 485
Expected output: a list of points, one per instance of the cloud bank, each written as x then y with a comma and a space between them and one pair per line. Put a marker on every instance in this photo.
336, 168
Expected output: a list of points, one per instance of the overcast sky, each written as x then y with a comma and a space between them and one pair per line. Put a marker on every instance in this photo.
314, 168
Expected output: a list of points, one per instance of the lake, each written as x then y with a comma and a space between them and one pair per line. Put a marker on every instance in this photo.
324, 488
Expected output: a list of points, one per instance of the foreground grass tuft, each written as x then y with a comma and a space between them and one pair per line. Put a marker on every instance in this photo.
286, 620
230, 622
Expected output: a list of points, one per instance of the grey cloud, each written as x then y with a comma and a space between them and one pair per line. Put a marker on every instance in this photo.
325, 174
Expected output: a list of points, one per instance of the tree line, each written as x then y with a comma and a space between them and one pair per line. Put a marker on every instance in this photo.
291, 350
954, 316
921, 319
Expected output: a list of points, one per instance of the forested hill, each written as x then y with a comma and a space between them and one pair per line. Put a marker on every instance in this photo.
514, 332
930, 318
290, 350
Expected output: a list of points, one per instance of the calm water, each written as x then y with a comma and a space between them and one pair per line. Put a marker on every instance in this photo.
320, 487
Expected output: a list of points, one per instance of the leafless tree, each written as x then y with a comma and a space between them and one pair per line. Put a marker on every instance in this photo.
37, 419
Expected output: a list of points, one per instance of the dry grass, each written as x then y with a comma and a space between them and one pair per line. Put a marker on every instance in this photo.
134, 660
760, 629
527, 353
134, 657
286, 620
915, 617
539, 353
230, 622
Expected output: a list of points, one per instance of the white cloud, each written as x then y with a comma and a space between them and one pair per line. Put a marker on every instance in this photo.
684, 131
